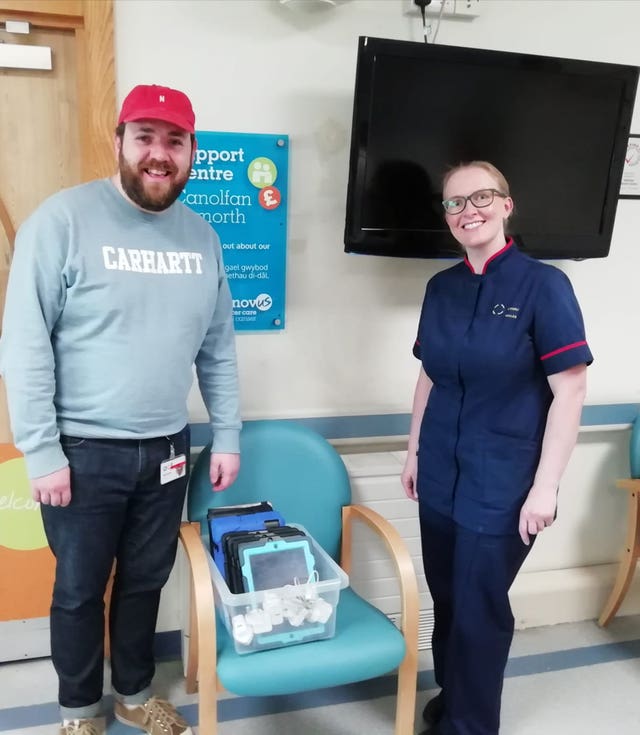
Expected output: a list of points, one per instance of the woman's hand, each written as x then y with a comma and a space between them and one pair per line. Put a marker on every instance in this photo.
560, 435
538, 511
409, 476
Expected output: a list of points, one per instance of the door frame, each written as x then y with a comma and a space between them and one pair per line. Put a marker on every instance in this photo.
92, 24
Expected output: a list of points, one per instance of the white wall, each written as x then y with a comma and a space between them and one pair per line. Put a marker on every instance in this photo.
258, 66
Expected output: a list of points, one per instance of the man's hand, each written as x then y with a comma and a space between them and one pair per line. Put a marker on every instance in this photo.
538, 511
52, 489
223, 470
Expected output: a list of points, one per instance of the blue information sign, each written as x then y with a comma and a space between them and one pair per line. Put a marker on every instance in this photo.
239, 185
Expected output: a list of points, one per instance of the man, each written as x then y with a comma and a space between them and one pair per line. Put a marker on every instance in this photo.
116, 290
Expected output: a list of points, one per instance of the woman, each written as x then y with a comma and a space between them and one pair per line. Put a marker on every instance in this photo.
496, 414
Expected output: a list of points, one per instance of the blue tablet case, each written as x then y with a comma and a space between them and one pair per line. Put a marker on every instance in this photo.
233, 519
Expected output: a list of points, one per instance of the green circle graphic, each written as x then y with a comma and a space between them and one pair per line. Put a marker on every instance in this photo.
20, 520
262, 172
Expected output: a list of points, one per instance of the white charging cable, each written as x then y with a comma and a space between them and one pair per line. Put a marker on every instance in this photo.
296, 603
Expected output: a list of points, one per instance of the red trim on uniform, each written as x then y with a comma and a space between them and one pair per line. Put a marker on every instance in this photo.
563, 349
495, 255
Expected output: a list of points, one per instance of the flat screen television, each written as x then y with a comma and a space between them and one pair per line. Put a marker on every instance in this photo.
557, 128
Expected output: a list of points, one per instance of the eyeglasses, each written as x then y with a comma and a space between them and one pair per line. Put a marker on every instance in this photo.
480, 198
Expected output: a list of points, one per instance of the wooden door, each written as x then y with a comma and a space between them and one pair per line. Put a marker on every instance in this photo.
56, 130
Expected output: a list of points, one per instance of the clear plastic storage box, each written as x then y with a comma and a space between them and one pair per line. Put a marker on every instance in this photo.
283, 616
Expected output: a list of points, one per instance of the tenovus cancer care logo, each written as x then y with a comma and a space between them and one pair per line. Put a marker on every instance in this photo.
262, 302
20, 521
509, 312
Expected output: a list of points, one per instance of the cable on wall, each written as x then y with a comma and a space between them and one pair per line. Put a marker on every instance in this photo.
422, 4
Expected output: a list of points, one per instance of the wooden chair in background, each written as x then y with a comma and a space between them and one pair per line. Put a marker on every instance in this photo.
631, 551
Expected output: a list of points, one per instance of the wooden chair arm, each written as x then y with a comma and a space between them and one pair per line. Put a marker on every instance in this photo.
202, 633
399, 555
7, 226
629, 484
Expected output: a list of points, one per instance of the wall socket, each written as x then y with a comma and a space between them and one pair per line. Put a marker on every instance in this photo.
461, 9
467, 8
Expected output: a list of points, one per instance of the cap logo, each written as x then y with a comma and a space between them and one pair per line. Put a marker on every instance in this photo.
151, 101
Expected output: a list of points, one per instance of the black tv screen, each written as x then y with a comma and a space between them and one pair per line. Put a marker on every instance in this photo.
557, 128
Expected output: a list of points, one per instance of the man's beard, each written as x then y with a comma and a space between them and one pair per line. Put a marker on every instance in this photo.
134, 187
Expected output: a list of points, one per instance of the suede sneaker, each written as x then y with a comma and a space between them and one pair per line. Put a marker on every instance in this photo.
155, 716
92, 726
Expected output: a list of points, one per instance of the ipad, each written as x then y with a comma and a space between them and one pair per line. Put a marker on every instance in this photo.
277, 563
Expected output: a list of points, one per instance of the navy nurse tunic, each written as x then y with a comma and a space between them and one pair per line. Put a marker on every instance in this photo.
488, 342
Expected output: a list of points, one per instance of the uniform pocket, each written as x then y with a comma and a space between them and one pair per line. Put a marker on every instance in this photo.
510, 465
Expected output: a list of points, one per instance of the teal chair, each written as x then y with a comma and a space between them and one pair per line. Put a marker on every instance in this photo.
631, 550
301, 474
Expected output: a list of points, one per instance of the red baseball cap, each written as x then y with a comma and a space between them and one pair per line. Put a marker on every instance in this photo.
150, 101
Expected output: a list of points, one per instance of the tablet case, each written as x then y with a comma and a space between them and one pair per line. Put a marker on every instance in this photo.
238, 518
261, 560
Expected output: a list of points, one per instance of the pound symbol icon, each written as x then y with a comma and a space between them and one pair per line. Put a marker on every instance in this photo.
269, 197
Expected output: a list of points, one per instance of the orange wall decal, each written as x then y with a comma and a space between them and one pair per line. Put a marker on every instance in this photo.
26, 563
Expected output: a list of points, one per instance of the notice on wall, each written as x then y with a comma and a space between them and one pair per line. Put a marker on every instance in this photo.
630, 184
239, 185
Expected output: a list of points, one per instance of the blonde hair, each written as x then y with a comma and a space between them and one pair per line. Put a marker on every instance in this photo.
503, 184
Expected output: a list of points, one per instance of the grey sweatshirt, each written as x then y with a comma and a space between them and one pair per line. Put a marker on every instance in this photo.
108, 308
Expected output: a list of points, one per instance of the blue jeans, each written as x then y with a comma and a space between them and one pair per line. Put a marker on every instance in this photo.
118, 510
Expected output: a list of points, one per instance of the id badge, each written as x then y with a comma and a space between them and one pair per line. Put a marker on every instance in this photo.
173, 468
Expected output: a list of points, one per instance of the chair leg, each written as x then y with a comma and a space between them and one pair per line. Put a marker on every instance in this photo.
627, 563
107, 609
191, 676
207, 687
406, 699
202, 634
208, 711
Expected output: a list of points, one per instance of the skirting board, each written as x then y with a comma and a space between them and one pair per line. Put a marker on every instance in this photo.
538, 598
24, 639
21, 639
568, 595
552, 597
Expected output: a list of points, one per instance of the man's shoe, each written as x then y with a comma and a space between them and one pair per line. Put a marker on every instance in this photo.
155, 716
88, 726
432, 713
